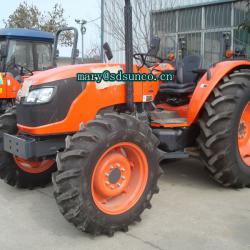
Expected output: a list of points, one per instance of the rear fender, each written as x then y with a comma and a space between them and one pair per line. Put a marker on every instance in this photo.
205, 86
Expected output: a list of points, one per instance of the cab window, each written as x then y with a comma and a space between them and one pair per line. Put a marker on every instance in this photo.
32, 55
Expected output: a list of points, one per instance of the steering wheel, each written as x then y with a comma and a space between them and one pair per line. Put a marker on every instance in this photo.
22, 68
143, 58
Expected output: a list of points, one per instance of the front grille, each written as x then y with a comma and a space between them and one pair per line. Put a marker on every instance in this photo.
34, 115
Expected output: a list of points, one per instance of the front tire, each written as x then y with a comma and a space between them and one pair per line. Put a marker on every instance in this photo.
16, 171
221, 130
107, 174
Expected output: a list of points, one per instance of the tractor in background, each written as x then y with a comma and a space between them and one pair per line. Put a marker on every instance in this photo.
24, 52
105, 141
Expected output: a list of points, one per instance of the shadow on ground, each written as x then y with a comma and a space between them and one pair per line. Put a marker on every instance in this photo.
187, 172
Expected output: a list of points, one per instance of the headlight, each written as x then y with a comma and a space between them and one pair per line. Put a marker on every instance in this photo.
41, 95
24, 90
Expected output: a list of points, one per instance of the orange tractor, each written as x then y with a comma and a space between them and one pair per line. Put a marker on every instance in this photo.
105, 140
22, 52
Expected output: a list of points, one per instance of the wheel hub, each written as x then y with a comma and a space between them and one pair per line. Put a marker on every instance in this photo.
119, 178
33, 167
114, 175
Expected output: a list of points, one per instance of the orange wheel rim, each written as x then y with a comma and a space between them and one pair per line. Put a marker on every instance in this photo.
33, 167
119, 178
244, 135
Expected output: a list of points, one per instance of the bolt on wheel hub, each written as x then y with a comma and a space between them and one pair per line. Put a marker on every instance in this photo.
242, 130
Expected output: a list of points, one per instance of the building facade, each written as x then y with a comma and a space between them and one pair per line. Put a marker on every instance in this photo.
201, 23
202, 28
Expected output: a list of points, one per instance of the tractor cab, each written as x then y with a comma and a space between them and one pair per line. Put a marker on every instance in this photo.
24, 51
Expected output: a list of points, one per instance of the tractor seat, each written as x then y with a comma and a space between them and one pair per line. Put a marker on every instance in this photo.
187, 74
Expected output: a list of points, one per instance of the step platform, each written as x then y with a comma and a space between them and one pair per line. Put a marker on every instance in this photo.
166, 117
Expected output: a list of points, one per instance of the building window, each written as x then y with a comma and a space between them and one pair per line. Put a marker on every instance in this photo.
168, 44
189, 19
214, 46
217, 16
239, 12
164, 22
242, 41
193, 43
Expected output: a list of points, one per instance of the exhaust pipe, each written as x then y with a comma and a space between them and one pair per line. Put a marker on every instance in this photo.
129, 52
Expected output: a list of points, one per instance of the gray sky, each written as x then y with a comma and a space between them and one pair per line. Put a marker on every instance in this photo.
82, 9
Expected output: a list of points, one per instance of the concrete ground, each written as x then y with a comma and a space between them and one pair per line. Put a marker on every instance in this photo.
191, 212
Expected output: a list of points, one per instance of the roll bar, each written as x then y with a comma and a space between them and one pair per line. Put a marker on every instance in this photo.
74, 53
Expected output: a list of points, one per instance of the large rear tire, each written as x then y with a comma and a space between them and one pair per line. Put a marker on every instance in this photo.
222, 131
16, 171
107, 174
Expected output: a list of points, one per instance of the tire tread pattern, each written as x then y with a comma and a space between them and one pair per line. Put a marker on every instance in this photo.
216, 125
67, 181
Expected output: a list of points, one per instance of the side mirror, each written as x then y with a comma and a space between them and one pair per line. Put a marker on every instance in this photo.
154, 46
107, 51
3, 51
77, 53
57, 53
